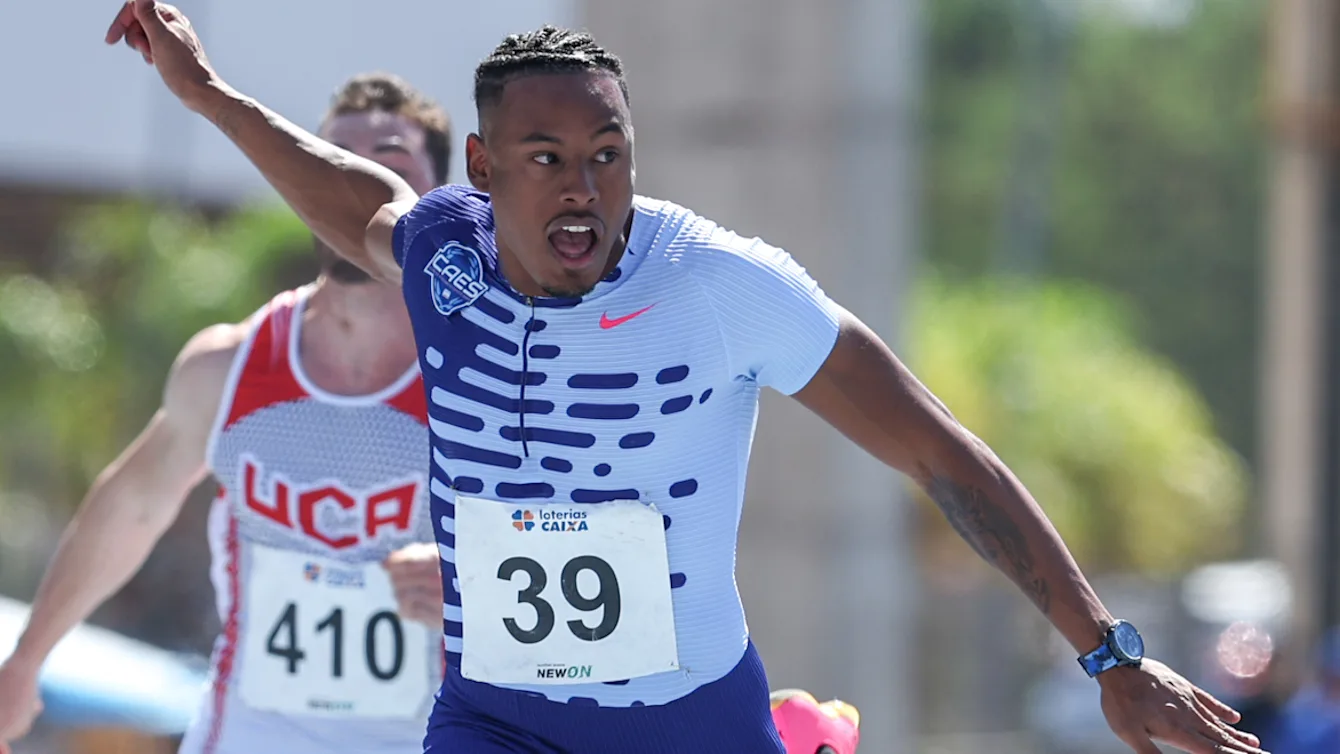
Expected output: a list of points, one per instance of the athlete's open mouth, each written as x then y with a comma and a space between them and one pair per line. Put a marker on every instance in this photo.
574, 238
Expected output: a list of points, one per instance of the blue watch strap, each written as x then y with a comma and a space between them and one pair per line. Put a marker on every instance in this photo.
1098, 661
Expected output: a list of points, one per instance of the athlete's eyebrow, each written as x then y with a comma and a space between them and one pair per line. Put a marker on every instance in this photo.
543, 138
536, 136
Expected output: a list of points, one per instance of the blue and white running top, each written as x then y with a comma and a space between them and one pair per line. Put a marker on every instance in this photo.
646, 389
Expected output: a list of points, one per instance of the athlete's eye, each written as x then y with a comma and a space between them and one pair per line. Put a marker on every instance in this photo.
607, 155
546, 158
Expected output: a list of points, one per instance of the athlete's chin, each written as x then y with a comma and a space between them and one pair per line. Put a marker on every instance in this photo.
574, 277
571, 283
567, 289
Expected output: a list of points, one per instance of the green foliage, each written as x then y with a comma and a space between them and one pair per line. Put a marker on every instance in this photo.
1153, 188
87, 343
1115, 445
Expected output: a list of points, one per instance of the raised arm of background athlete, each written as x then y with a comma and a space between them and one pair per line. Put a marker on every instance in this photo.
340, 196
866, 393
131, 504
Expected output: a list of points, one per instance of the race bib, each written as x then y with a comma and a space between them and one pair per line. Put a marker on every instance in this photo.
560, 594
324, 638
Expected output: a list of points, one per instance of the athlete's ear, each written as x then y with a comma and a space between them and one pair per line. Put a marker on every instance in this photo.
477, 162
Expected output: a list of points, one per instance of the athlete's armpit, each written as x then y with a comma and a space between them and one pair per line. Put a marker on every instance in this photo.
380, 240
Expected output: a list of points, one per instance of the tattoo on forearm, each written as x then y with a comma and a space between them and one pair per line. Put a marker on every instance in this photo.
990, 531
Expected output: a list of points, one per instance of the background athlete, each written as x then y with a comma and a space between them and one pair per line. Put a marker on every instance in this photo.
592, 354
310, 415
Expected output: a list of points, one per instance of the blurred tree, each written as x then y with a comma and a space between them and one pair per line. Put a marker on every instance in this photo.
1150, 182
1114, 443
88, 331
87, 342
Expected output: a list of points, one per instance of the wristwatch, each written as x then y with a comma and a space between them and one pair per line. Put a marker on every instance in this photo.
1122, 646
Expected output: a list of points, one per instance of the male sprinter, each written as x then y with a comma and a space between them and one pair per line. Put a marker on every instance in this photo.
311, 416
593, 360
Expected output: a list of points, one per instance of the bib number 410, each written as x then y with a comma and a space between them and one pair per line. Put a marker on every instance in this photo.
606, 598
285, 630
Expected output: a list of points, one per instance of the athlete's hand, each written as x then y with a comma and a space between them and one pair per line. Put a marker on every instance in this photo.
416, 576
19, 702
1152, 703
163, 35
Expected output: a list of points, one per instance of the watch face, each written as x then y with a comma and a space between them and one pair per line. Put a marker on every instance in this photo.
1127, 643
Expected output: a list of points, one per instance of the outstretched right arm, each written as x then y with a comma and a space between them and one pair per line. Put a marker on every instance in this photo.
350, 203
126, 511
343, 198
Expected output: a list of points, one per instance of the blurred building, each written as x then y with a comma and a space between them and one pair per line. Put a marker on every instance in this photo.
1301, 388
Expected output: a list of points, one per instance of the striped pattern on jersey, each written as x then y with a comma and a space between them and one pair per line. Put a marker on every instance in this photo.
537, 400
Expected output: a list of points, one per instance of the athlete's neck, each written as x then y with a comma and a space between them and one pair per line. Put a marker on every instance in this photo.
355, 339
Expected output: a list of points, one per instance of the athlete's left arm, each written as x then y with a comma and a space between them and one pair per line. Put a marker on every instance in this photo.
865, 392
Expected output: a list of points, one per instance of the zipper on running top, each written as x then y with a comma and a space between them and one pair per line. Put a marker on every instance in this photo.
525, 376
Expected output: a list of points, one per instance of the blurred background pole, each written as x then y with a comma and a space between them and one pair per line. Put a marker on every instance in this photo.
797, 122
1328, 561
1301, 375
873, 573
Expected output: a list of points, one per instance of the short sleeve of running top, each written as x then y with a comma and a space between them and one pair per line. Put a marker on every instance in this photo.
778, 325
447, 213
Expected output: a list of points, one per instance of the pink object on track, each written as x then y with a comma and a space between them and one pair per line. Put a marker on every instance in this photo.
807, 725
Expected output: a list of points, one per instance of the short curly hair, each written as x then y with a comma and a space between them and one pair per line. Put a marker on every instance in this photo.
389, 93
549, 49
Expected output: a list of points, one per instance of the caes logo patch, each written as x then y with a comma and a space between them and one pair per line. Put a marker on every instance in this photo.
457, 277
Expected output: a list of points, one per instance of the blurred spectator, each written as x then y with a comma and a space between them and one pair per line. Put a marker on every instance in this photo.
1310, 722
1260, 717
1244, 668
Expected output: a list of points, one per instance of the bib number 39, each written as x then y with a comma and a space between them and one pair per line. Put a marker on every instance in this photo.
606, 598
609, 617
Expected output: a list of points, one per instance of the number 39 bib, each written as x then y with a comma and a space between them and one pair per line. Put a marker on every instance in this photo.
555, 594
323, 638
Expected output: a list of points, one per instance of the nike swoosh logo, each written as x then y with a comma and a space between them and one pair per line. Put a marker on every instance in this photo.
606, 323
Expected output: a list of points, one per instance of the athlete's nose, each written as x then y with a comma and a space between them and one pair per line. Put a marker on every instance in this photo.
579, 185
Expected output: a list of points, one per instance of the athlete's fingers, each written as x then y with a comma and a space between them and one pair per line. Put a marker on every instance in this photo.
422, 553
1215, 725
399, 565
418, 594
416, 584
1213, 745
429, 614
1220, 710
124, 18
146, 12
137, 41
